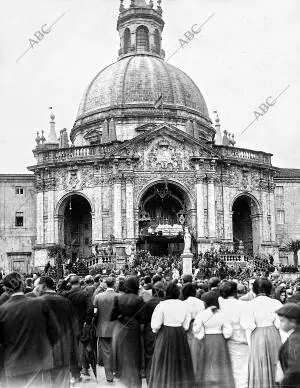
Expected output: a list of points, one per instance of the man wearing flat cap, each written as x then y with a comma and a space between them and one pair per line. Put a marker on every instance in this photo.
28, 330
289, 354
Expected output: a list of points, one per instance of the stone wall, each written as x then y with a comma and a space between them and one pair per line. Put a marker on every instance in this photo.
17, 195
287, 209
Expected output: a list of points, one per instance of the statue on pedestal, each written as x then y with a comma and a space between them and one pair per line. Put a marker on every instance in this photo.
187, 240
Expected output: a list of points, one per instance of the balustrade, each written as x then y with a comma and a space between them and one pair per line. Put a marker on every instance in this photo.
244, 154
232, 257
64, 154
99, 260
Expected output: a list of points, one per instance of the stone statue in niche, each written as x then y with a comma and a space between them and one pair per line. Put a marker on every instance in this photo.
73, 180
187, 240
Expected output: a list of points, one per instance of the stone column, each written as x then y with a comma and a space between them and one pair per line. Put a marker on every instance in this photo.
211, 206
40, 218
256, 232
200, 205
272, 216
51, 206
97, 219
266, 231
117, 207
59, 232
227, 214
129, 208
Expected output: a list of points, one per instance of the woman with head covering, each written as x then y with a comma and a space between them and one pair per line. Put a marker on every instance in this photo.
212, 328
263, 335
171, 363
194, 305
158, 294
127, 335
235, 310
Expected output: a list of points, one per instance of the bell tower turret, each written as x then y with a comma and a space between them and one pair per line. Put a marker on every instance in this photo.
140, 27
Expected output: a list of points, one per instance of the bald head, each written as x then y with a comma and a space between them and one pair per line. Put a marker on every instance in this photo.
74, 280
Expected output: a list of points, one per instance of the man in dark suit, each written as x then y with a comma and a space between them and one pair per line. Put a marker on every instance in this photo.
83, 313
28, 330
104, 303
65, 351
289, 354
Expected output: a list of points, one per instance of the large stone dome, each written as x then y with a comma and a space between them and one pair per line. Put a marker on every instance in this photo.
139, 80
119, 102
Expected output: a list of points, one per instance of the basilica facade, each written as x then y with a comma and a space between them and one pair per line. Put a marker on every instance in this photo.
144, 160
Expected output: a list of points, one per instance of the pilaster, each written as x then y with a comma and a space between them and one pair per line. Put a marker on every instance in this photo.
40, 218
129, 206
200, 204
211, 205
97, 219
117, 206
51, 206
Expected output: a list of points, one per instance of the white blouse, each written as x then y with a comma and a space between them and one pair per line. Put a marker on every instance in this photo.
261, 313
172, 312
194, 306
236, 312
208, 322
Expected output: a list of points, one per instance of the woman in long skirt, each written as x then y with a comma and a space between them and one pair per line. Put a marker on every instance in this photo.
127, 335
149, 336
194, 305
171, 363
212, 328
235, 311
265, 340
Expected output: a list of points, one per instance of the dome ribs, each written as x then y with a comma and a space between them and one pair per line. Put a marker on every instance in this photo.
129, 60
165, 67
127, 90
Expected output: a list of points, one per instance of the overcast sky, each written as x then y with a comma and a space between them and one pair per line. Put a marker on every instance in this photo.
248, 51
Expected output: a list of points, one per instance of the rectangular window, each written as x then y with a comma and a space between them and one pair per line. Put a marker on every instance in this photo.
279, 191
280, 217
19, 190
19, 219
86, 241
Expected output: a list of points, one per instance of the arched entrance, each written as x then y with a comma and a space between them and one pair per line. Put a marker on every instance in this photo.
246, 224
163, 212
75, 226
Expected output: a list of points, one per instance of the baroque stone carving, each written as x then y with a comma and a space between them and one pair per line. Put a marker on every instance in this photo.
163, 156
87, 178
187, 180
61, 179
249, 180
73, 180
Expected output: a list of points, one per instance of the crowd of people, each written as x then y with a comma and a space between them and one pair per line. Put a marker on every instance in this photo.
206, 265
176, 331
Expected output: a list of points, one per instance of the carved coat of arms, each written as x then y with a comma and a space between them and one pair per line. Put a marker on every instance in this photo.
163, 156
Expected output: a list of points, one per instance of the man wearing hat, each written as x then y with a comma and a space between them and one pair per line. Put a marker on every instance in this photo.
289, 354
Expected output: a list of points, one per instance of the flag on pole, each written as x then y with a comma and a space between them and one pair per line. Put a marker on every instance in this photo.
159, 102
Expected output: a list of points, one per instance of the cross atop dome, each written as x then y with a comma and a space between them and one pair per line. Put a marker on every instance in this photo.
140, 27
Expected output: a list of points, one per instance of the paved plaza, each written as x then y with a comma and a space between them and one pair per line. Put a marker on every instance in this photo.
91, 381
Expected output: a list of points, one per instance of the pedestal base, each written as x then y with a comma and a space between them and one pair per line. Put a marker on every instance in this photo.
41, 258
187, 266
